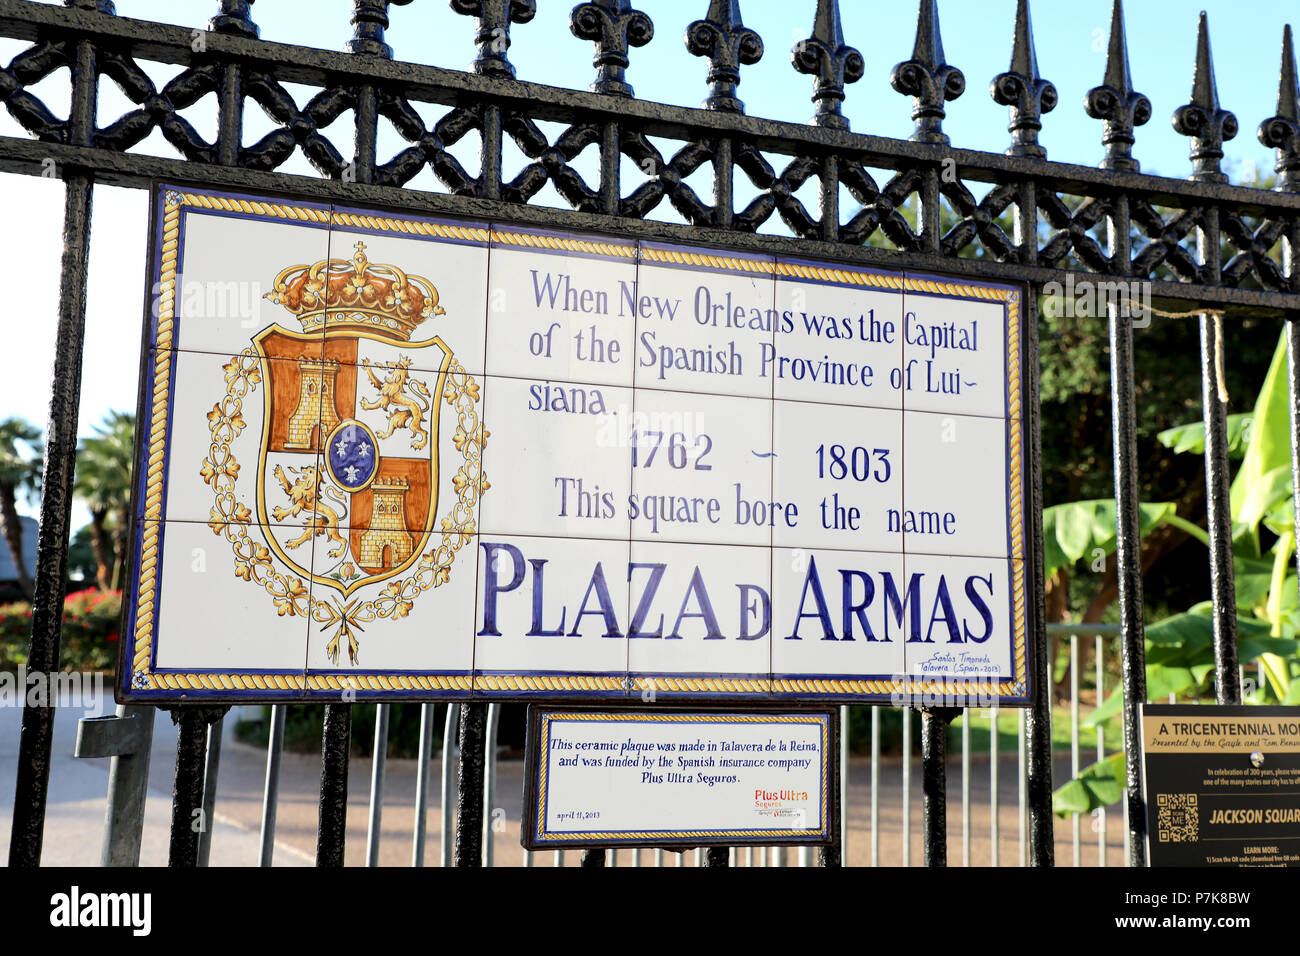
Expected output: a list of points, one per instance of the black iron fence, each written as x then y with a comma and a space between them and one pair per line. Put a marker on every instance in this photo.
1112, 223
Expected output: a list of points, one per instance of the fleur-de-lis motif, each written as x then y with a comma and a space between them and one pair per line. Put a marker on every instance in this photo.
1202, 119
369, 21
928, 78
492, 33
1116, 102
729, 44
615, 28
236, 17
1023, 90
1282, 132
830, 62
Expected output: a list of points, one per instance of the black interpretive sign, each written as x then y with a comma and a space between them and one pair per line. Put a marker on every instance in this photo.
1222, 785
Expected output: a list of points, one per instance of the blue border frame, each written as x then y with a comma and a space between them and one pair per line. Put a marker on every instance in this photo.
130, 607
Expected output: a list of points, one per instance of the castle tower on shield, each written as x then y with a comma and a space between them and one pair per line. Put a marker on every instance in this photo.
315, 416
386, 542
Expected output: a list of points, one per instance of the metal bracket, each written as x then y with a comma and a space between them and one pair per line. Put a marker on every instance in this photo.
119, 735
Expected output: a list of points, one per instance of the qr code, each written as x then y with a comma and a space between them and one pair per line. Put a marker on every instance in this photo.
1176, 818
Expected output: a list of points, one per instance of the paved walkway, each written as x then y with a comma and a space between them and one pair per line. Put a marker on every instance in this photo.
74, 819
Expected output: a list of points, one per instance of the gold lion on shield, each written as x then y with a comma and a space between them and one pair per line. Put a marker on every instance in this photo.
305, 493
403, 410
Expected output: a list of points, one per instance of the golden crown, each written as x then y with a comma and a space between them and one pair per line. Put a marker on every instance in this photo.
356, 294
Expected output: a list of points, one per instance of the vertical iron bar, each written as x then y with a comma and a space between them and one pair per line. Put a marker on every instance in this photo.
934, 784
31, 784
211, 769
717, 856
1128, 547
723, 183
378, 769
559, 858
450, 730
1076, 822
490, 784
469, 800
965, 788
1022, 776
1128, 844
333, 815
831, 856
875, 786
830, 198
928, 215
1218, 479
490, 153
593, 857
844, 784
271, 790
1101, 750
994, 748
907, 785
610, 178
187, 793
422, 785
1036, 734
1042, 849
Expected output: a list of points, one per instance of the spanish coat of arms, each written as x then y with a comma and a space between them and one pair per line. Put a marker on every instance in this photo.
346, 485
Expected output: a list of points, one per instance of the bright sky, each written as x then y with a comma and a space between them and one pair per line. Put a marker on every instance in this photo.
1071, 40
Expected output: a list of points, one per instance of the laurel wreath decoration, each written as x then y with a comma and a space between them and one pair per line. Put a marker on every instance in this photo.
231, 519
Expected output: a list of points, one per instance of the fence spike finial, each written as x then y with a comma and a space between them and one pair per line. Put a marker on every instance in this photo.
492, 30
615, 28
1116, 102
928, 78
1208, 126
236, 17
830, 62
1024, 90
1282, 132
369, 21
723, 37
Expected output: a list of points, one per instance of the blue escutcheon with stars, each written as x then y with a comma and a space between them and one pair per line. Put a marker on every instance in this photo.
351, 455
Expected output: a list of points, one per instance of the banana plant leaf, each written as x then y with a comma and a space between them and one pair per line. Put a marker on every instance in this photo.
1075, 530
1190, 438
1099, 785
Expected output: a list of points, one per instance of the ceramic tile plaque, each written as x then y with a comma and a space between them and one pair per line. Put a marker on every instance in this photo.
396, 456
678, 777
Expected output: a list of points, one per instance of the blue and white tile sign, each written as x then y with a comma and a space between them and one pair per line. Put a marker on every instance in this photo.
403, 457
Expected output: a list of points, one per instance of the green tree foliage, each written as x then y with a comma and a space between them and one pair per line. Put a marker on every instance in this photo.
103, 484
20, 475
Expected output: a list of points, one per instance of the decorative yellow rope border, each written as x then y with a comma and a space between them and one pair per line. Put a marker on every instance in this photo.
149, 567
232, 519
589, 246
669, 718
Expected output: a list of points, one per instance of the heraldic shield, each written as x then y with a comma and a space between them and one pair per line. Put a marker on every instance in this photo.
347, 480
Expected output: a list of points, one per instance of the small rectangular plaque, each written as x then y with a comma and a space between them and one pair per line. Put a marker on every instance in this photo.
677, 778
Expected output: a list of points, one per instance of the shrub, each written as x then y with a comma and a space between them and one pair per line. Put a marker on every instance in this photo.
90, 631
